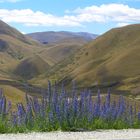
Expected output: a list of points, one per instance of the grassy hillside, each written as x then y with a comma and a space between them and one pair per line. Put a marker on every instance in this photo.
14, 47
61, 50
23, 59
31, 67
111, 59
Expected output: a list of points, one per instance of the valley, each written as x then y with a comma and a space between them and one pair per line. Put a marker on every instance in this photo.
111, 60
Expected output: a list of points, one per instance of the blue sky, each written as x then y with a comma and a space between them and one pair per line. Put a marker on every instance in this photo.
95, 16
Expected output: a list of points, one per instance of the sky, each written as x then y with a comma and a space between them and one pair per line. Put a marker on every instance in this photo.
94, 16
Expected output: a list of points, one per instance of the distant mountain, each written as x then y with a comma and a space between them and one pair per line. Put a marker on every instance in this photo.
52, 37
61, 45
111, 59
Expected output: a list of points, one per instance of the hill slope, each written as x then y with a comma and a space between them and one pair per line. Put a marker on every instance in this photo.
14, 47
113, 58
22, 58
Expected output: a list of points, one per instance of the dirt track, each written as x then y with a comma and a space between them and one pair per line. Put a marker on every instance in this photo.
95, 135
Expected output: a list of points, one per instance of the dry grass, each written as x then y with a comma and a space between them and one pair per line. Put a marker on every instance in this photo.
112, 57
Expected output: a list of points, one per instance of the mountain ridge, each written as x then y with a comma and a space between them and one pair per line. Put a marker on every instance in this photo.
50, 37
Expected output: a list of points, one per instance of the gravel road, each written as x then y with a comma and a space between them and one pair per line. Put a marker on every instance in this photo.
94, 135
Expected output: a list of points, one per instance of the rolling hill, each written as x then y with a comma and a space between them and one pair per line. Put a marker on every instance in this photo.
62, 44
112, 59
52, 37
18, 55
61, 50
23, 58
14, 47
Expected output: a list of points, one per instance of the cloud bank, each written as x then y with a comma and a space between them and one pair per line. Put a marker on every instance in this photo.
105, 13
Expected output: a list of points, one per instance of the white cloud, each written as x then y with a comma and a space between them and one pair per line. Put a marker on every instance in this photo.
109, 12
30, 18
117, 13
12, 1
122, 24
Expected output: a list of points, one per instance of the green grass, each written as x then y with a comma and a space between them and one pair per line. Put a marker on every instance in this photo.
79, 125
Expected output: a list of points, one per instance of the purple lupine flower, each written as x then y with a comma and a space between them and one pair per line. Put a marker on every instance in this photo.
55, 94
20, 113
121, 107
67, 110
106, 109
90, 103
90, 109
35, 106
82, 104
3, 105
49, 92
138, 116
19, 116
103, 113
66, 107
75, 105
108, 99
131, 115
97, 105
29, 113
114, 111
43, 108
51, 117
58, 114
54, 99
63, 93
0, 106
14, 119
